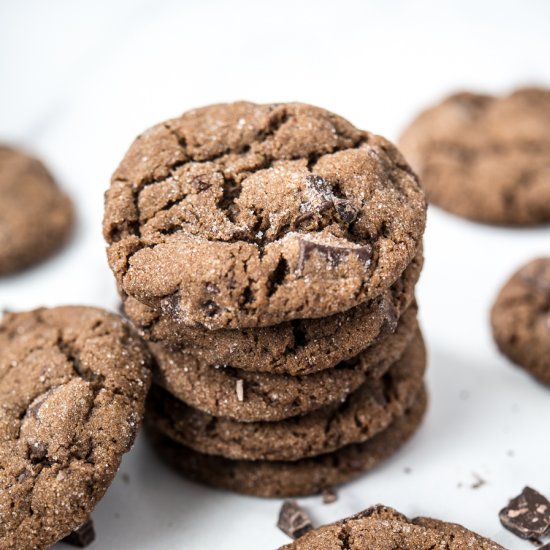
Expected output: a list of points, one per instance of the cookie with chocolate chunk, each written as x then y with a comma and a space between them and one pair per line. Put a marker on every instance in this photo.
485, 158
250, 396
73, 382
366, 412
383, 528
243, 215
521, 318
298, 347
302, 477
36, 216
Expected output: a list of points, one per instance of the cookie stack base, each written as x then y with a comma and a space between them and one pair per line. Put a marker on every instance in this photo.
301, 477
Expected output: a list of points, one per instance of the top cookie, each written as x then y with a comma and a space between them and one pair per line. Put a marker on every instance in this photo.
73, 382
486, 158
36, 217
245, 215
382, 528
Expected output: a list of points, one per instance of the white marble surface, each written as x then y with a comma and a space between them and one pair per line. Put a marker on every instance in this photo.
81, 79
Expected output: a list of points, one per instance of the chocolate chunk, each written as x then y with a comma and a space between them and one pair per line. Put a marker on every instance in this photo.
330, 495
527, 515
346, 210
334, 254
37, 452
83, 536
293, 520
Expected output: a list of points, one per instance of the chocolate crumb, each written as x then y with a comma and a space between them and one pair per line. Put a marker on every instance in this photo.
330, 495
81, 537
240, 390
293, 520
527, 515
479, 481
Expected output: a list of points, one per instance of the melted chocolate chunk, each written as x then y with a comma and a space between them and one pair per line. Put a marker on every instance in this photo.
527, 515
293, 520
334, 254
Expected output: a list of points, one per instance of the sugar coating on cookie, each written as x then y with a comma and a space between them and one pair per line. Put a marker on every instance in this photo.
383, 528
520, 318
484, 157
73, 382
36, 217
241, 215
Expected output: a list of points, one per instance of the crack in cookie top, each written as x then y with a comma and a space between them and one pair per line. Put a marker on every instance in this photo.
242, 215
73, 382
485, 158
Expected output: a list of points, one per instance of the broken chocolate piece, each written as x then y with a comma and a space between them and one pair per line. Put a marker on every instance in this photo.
347, 212
81, 537
330, 495
293, 520
527, 515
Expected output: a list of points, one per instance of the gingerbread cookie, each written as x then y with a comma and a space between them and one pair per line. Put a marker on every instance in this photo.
250, 397
486, 158
302, 346
73, 382
243, 215
36, 217
302, 477
383, 528
521, 318
366, 412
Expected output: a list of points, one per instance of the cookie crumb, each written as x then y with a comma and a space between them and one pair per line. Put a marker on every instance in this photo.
81, 537
294, 521
240, 390
330, 495
527, 515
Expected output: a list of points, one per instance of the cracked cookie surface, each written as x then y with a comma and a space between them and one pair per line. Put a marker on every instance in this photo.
250, 396
298, 478
367, 411
243, 215
520, 318
383, 528
36, 217
485, 158
73, 382
298, 347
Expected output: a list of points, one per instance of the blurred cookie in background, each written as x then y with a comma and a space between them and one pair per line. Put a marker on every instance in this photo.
484, 157
521, 318
36, 216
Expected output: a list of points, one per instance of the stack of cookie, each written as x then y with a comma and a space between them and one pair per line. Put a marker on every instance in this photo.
269, 254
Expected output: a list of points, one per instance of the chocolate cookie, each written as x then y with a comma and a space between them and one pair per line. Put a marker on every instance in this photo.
521, 318
243, 215
303, 477
250, 397
366, 412
486, 158
383, 528
73, 382
302, 346
36, 217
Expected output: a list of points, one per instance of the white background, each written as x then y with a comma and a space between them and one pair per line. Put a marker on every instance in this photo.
81, 79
